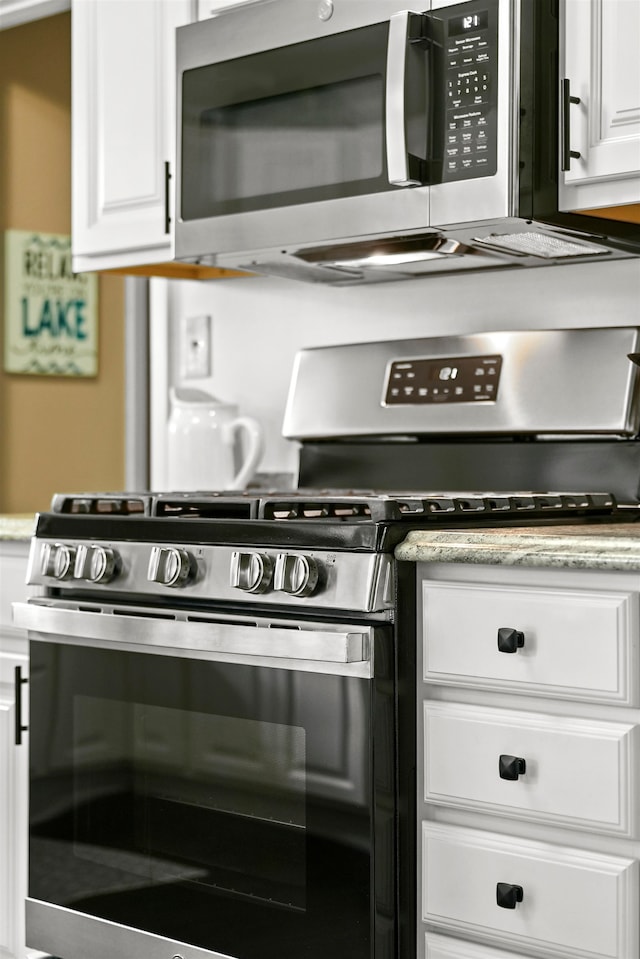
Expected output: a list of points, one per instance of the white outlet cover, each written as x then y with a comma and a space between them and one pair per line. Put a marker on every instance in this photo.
195, 347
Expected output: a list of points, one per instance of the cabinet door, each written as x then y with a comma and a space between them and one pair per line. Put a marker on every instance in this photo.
123, 129
602, 64
13, 805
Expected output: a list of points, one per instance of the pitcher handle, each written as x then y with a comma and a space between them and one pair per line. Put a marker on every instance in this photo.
255, 440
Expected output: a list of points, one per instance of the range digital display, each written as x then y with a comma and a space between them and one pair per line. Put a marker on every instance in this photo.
456, 379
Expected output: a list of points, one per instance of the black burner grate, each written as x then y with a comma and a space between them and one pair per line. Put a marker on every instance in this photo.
356, 507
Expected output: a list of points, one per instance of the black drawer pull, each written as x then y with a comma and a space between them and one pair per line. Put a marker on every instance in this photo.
507, 895
510, 640
510, 767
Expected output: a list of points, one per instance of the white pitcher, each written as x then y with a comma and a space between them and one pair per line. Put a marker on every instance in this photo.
204, 447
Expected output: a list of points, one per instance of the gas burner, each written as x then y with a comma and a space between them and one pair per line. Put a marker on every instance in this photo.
102, 504
424, 507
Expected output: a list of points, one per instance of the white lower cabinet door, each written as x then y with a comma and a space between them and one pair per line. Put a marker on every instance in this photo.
580, 773
13, 806
533, 897
8, 897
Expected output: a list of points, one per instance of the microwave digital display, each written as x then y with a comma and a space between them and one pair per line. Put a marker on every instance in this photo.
470, 21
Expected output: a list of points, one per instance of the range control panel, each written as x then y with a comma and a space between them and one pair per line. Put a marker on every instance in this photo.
543, 381
456, 379
471, 90
202, 572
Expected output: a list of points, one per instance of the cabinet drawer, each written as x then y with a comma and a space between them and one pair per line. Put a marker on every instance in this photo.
577, 644
577, 772
574, 903
443, 947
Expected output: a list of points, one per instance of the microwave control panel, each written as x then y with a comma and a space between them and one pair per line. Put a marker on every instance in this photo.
470, 121
455, 379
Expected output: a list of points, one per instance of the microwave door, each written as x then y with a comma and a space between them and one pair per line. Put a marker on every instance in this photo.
314, 140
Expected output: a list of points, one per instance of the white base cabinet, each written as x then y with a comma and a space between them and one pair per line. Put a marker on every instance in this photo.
13, 758
13, 798
442, 947
568, 902
599, 53
579, 773
528, 783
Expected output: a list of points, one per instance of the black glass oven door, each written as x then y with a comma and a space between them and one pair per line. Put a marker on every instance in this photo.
228, 806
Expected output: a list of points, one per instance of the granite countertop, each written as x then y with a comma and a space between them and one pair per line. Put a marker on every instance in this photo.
606, 546
17, 526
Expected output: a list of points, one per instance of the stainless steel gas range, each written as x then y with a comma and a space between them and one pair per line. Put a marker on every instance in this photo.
222, 725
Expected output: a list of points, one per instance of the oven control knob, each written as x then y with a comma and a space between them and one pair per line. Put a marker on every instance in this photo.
296, 575
170, 566
57, 560
98, 564
251, 572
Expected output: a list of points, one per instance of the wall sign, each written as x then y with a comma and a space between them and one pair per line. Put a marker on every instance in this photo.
50, 313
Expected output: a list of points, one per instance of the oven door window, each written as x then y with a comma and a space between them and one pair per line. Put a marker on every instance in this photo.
225, 806
298, 124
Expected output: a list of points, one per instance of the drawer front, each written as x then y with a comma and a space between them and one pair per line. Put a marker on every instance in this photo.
443, 947
573, 903
580, 773
575, 644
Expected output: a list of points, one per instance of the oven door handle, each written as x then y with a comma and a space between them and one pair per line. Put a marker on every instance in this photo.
271, 645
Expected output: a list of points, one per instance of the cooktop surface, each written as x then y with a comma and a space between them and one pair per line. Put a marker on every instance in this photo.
328, 504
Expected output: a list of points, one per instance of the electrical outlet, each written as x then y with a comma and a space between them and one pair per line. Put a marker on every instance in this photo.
195, 347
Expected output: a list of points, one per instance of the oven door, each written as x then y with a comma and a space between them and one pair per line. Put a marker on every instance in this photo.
206, 788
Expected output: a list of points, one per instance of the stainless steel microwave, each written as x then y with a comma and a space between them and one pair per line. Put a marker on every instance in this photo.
330, 139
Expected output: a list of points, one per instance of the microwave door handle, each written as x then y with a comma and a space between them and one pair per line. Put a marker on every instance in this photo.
403, 167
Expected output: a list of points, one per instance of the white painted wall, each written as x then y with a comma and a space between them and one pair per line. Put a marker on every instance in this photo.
259, 324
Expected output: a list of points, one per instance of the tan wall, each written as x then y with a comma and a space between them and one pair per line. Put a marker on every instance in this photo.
56, 433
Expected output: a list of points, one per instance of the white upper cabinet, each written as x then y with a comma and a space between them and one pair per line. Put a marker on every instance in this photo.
123, 123
15, 12
599, 43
